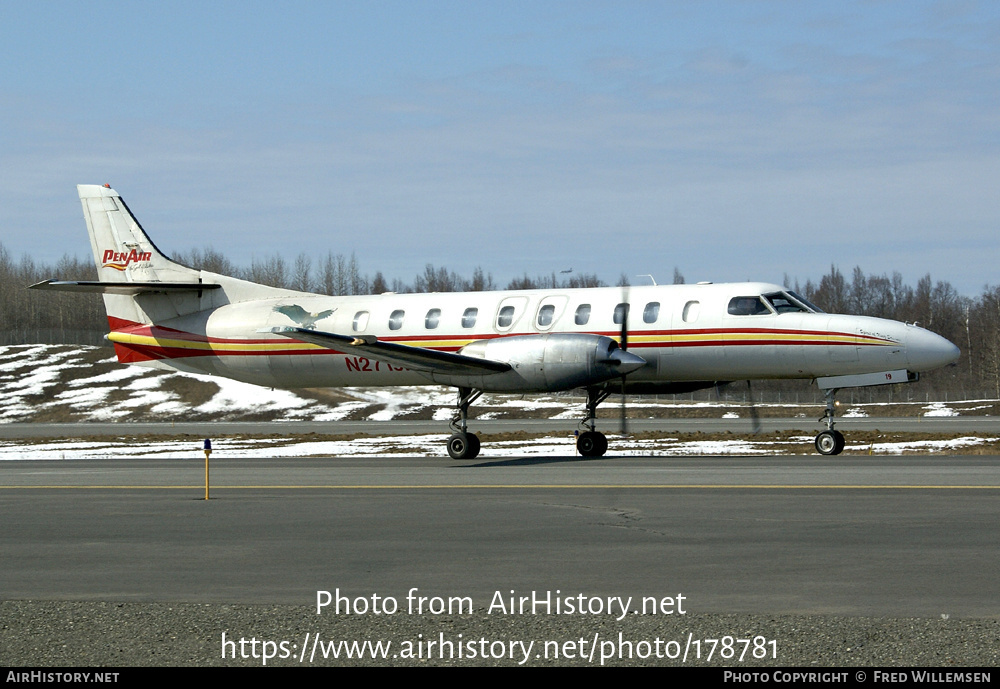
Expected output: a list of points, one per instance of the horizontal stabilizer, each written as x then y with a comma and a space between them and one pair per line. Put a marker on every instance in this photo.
131, 288
415, 358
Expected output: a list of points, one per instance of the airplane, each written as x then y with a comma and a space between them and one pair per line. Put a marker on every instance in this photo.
643, 340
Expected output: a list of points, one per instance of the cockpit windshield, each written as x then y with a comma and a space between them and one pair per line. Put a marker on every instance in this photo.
790, 302
769, 304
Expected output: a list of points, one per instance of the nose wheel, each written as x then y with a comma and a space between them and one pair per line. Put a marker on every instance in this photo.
830, 441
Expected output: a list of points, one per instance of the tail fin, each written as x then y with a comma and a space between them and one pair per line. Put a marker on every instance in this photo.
140, 285
122, 249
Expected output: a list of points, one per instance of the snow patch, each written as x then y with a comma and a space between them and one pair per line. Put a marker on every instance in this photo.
939, 409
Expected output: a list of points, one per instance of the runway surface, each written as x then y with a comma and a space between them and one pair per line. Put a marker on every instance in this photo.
913, 424
906, 536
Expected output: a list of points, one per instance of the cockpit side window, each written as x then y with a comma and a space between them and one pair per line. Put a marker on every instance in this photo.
747, 306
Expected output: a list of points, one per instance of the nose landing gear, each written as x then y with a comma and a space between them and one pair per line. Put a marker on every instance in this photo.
830, 441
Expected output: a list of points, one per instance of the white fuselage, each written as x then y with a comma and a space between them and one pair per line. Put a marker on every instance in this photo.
685, 333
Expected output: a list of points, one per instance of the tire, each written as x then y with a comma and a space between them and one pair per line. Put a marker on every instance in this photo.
474, 446
463, 446
840, 442
602, 445
592, 444
830, 443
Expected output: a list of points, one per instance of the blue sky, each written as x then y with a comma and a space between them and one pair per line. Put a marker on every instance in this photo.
733, 140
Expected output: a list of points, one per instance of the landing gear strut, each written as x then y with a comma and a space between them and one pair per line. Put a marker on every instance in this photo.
592, 443
462, 444
830, 441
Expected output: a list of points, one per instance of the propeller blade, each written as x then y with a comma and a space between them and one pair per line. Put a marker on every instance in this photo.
623, 425
754, 416
623, 344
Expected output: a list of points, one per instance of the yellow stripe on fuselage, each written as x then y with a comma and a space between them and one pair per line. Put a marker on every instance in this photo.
284, 345
200, 345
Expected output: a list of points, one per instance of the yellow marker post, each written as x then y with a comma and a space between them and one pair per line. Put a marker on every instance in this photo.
208, 451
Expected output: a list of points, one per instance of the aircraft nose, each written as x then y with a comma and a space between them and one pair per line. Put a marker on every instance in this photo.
926, 350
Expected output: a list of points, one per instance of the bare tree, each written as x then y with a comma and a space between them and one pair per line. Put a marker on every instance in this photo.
301, 279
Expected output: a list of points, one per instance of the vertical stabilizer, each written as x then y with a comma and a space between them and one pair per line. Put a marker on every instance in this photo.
122, 250
124, 253
139, 284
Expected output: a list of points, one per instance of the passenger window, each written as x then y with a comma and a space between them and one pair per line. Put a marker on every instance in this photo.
545, 315
432, 318
651, 312
360, 321
505, 317
747, 306
690, 313
469, 318
621, 313
582, 314
396, 319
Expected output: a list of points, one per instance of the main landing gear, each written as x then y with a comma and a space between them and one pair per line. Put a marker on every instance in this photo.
592, 443
465, 445
462, 444
830, 441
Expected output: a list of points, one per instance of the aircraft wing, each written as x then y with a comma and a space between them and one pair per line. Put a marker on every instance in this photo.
414, 358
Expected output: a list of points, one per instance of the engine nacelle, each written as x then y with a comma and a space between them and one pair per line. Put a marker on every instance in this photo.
548, 362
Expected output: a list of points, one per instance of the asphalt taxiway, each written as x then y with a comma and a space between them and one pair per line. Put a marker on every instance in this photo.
904, 536
907, 424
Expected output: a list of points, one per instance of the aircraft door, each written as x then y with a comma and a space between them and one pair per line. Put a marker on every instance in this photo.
550, 310
508, 313
651, 335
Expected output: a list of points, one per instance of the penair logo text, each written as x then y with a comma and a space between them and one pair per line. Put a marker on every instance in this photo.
120, 260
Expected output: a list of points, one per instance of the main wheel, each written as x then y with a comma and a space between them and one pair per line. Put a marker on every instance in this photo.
474, 446
603, 444
840, 442
463, 446
830, 443
592, 444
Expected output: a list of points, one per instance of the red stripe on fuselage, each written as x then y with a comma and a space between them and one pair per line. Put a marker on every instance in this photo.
132, 353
